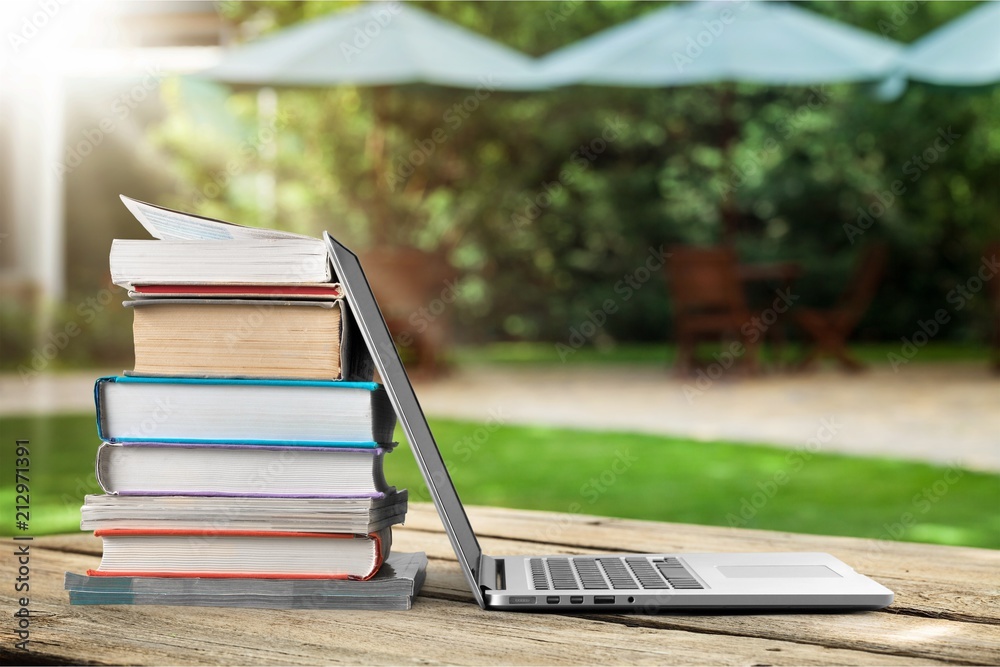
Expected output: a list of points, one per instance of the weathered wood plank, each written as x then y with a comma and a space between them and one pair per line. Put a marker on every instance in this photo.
938, 582
946, 608
436, 631
945, 582
561, 532
891, 634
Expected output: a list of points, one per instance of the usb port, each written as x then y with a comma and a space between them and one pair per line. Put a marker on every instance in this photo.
576, 599
604, 599
552, 599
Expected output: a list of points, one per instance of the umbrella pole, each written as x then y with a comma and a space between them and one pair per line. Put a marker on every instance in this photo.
376, 149
267, 113
727, 137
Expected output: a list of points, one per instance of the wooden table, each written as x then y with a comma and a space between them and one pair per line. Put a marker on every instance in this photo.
947, 609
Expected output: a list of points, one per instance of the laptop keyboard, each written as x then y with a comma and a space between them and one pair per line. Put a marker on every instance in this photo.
610, 572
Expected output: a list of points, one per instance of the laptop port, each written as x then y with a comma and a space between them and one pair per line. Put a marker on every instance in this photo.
604, 599
552, 599
576, 599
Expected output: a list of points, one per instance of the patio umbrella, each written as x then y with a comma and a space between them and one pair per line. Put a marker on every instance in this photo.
771, 43
963, 52
707, 41
377, 44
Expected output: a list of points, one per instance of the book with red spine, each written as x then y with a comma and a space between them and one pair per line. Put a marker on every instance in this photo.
240, 554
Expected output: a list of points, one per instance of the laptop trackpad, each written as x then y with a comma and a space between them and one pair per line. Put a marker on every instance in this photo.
775, 571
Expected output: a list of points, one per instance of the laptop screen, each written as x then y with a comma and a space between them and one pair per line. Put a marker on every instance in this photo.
376, 335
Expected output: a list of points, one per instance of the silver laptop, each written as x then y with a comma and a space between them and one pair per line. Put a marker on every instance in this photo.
629, 582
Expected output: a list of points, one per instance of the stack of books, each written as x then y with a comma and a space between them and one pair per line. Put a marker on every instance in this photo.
242, 457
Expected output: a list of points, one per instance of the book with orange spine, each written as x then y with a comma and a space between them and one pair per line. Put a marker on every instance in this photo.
240, 554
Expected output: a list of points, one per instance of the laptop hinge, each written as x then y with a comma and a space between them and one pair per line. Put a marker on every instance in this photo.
491, 573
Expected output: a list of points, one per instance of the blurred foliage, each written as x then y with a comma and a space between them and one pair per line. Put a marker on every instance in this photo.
93, 331
546, 230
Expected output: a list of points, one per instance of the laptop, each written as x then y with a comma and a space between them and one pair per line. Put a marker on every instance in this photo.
610, 582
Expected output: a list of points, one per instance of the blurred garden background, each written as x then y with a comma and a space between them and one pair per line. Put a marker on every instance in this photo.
543, 334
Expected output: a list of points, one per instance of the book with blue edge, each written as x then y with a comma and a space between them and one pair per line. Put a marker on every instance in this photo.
133, 408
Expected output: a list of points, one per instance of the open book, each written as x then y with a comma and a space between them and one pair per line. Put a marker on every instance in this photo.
198, 256
169, 225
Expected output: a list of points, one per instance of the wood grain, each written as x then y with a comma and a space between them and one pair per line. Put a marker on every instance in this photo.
947, 609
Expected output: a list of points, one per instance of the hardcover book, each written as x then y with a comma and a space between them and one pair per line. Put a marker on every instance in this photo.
352, 514
242, 554
292, 261
246, 338
239, 411
397, 582
329, 291
237, 470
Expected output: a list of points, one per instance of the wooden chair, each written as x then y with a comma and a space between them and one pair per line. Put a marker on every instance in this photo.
830, 328
708, 302
416, 291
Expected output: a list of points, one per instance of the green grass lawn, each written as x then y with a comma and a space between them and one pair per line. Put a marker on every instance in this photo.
662, 353
612, 474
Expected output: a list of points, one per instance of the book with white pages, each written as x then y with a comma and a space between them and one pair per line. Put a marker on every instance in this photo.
308, 413
194, 250
352, 514
165, 469
394, 587
247, 338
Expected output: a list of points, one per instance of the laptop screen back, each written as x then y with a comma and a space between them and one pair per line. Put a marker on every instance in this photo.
373, 328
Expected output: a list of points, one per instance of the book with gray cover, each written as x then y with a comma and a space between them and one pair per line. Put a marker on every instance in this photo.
398, 581
331, 515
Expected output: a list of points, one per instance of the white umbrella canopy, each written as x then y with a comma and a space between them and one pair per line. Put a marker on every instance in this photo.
771, 43
963, 52
373, 45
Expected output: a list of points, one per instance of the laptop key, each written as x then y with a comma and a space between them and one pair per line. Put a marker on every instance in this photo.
677, 575
538, 578
561, 574
617, 574
645, 573
590, 575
